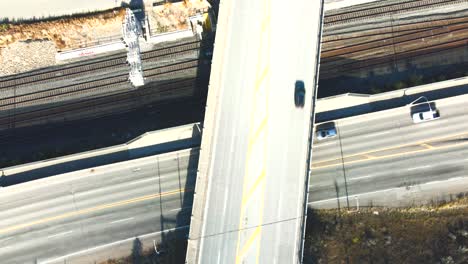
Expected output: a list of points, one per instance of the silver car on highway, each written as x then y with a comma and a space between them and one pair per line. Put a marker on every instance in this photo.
326, 133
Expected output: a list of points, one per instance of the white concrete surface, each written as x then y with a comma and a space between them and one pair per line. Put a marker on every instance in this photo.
80, 53
44, 8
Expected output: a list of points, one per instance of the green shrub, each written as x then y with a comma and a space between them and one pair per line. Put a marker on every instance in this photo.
399, 85
415, 80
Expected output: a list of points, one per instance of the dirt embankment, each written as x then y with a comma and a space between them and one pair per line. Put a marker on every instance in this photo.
65, 33
28, 46
174, 16
417, 235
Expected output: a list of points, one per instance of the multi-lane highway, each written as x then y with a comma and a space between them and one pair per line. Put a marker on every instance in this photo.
385, 150
255, 199
46, 220
73, 214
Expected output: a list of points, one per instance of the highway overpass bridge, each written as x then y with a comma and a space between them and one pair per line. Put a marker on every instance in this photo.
251, 188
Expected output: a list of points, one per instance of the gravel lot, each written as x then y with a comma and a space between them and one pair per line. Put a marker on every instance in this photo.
25, 56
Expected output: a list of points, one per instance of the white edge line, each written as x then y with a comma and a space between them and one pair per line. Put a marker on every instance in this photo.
360, 178
108, 245
420, 167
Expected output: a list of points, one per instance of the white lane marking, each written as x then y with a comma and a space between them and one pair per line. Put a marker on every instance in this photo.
180, 209
109, 245
381, 133
137, 169
418, 168
60, 234
147, 180
121, 220
360, 178
5, 239
346, 131
7, 247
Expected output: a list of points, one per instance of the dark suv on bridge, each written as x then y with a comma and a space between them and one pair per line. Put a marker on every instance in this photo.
299, 94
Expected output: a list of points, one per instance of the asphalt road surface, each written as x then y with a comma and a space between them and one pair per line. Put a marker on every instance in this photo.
385, 150
60, 215
256, 194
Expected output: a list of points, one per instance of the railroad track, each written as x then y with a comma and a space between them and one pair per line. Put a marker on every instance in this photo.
369, 35
385, 9
354, 51
110, 101
107, 64
107, 84
332, 71
359, 50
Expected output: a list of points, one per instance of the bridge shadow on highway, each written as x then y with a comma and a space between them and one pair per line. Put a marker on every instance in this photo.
174, 243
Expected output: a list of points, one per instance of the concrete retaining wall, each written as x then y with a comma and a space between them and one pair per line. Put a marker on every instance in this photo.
352, 104
78, 53
150, 143
170, 36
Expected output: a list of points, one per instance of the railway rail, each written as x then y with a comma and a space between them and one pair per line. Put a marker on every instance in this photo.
395, 7
96, 66
106, 104
104, 85
352, 52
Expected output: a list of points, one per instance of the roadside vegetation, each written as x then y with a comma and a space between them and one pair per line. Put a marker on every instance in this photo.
430, 234
172, 251
415, 80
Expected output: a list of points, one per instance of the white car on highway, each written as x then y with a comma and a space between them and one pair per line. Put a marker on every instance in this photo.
425, 116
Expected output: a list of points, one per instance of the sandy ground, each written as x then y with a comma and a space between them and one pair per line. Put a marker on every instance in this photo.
66, 33
25, 47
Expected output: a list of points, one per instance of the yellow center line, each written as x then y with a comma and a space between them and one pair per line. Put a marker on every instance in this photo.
92, 209
260, 128
262, 77
396, 147
262, 71
368, 156
247, 196
394, 155
249, 242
